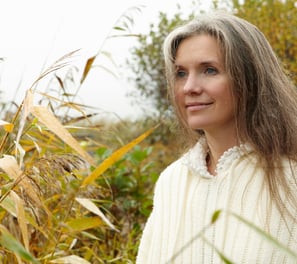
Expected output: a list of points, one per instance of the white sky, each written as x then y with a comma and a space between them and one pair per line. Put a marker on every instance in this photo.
35, 33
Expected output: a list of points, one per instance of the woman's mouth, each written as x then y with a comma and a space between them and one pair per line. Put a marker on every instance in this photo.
197, 106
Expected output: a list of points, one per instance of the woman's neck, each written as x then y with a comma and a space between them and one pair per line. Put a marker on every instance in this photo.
217, 146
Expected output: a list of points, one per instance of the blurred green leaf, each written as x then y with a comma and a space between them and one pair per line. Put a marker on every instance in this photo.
265, 235
119, 28
215, 216
85, 223
10, 243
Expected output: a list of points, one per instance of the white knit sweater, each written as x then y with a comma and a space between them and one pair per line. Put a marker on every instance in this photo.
186, 197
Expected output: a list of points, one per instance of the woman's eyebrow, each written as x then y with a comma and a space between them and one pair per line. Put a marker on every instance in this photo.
201, 63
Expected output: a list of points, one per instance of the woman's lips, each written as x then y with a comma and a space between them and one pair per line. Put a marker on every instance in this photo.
197, 106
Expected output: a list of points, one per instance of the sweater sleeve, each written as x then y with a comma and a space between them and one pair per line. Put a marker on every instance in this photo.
153, 234
147, 235
146, 239
158, 238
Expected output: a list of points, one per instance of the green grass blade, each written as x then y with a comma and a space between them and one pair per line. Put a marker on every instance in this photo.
10, 243
265, 235
222, 256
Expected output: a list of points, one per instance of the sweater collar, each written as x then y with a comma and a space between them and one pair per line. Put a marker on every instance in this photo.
195, 158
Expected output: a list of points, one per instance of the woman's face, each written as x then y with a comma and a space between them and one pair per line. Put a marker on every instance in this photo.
202, 85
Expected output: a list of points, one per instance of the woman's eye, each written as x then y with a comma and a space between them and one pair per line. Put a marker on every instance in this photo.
180, 74
211, 70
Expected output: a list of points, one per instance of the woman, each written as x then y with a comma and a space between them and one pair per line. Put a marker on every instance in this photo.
238, 113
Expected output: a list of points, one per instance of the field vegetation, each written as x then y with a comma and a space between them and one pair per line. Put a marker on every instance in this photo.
78, 189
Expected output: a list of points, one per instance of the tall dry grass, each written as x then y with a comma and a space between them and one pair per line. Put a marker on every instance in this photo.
57, 203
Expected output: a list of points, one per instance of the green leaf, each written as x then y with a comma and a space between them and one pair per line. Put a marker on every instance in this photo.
215, 216
119, 28
10, 243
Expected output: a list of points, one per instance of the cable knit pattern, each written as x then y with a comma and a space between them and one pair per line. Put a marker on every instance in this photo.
178, 230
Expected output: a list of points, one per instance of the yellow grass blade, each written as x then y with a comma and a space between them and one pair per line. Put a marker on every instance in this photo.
58, 64
20, 210
87, 68
92, 207
8, 205
22, 153
114, 157
27, 104
9, 165
81, 224
52, 123
8, 127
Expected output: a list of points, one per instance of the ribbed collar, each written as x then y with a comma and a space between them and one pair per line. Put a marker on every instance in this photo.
195, 158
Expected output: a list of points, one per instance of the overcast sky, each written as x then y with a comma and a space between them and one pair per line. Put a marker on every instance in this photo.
35, 33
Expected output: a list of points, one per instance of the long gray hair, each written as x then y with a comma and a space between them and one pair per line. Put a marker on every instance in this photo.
266, 99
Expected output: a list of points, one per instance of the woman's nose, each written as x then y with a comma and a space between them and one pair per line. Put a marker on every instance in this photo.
192, 85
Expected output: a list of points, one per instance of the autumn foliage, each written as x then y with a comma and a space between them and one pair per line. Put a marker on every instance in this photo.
277, 19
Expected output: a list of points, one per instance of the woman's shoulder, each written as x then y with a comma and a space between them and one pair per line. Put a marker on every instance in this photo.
191, 162
177, 168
